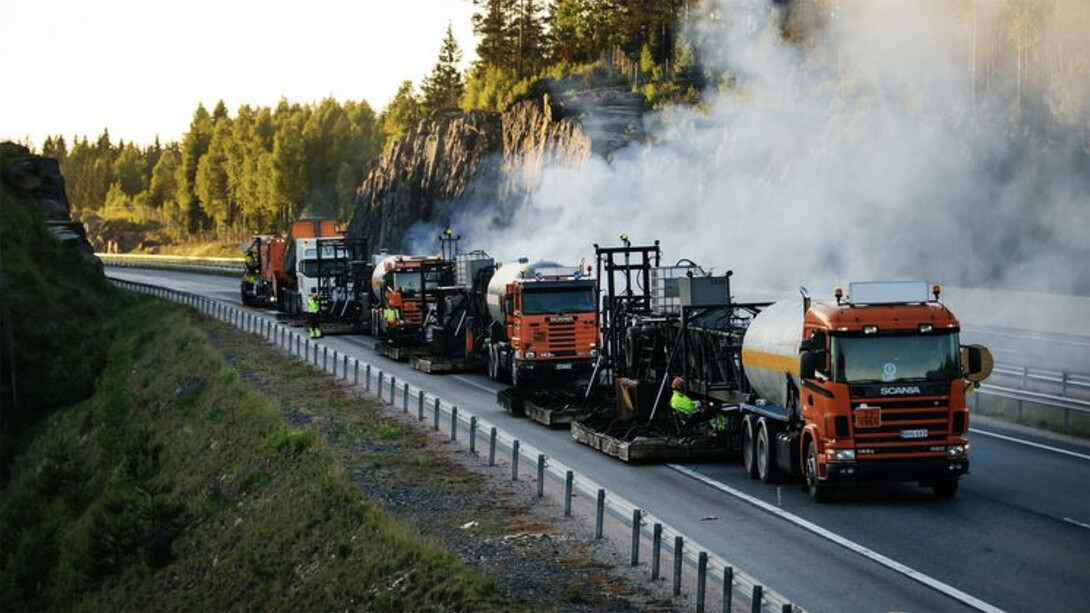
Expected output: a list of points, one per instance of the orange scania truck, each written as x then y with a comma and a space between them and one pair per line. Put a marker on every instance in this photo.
869, 388
544, 323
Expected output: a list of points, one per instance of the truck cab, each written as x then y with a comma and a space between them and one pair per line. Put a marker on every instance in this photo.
882, 386
407, 287
544, 322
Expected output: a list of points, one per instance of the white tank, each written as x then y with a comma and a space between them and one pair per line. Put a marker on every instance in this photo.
770, 350
507, 273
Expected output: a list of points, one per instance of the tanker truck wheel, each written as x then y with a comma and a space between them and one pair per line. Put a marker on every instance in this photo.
766, 465
819, 492
749, 452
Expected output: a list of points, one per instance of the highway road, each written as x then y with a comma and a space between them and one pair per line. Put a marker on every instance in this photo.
1017, 537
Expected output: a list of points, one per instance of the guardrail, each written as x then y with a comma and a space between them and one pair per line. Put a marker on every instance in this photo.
649, 534
185, 263
1066, 380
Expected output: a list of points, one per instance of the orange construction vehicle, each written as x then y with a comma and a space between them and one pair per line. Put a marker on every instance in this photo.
544, 323
405, 289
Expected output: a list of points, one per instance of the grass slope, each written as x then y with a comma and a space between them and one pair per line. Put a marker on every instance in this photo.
178, 487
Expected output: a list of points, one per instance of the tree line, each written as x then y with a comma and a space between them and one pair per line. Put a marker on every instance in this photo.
253, 171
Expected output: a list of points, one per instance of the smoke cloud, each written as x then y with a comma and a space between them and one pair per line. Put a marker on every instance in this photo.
936, 140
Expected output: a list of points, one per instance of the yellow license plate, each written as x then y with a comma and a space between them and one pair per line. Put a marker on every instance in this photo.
868, 418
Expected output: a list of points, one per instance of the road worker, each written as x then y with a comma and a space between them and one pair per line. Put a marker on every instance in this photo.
695, 412
313, 330
681, 403
389, 316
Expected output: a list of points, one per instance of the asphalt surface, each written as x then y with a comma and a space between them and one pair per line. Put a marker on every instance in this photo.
1017, 537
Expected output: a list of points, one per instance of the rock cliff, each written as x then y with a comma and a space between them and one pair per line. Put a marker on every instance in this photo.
458, 157
38, 180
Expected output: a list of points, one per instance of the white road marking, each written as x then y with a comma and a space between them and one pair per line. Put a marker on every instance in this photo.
874, 556
1030, 444
1077, 523
479, 386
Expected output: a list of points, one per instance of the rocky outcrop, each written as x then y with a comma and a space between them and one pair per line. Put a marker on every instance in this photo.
488, 159
38, 180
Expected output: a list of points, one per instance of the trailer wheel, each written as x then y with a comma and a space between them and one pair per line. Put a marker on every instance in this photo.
749, 453
819, 492
766, 467
945, 489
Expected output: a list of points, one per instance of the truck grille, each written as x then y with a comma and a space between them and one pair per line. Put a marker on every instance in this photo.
561, 336
902, 420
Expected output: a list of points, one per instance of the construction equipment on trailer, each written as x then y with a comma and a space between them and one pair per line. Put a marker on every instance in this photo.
659, 322
314, 258
871, 388
456, 336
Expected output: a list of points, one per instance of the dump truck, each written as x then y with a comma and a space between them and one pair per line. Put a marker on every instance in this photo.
313, 258
871, 387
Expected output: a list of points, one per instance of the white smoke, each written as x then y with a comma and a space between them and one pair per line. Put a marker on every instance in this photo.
867, 151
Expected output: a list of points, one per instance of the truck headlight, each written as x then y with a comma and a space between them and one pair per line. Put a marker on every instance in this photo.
843, 455
530, 355
955, 451
593, 353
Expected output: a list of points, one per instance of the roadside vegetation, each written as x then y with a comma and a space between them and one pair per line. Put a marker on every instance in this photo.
177, 486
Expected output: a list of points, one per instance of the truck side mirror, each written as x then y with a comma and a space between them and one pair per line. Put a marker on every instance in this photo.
809, 363
976, 362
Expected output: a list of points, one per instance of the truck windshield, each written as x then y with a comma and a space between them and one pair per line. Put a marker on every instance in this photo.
565, 300
315, 268
410, 281
889, 359
407, 281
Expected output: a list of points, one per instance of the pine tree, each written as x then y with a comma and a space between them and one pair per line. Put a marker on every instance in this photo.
493, 25
527, 32
402, 114
443, 88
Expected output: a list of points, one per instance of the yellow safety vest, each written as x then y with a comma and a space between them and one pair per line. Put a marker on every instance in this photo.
682, 403
312, 306
390, 315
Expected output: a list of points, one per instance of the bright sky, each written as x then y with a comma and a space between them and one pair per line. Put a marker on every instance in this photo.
140, 67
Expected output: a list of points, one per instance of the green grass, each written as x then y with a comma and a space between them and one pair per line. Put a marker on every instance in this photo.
177, 486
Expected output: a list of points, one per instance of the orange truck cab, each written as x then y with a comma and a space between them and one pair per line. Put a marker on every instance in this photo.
405, 292
871, 388
544, 322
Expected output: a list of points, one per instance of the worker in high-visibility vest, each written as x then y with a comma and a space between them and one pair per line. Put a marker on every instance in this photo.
389, 316
694, 411
313, 330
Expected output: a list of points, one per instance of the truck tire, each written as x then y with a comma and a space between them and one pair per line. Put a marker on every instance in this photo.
766, 464
819, 492
749, 451
945, 489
